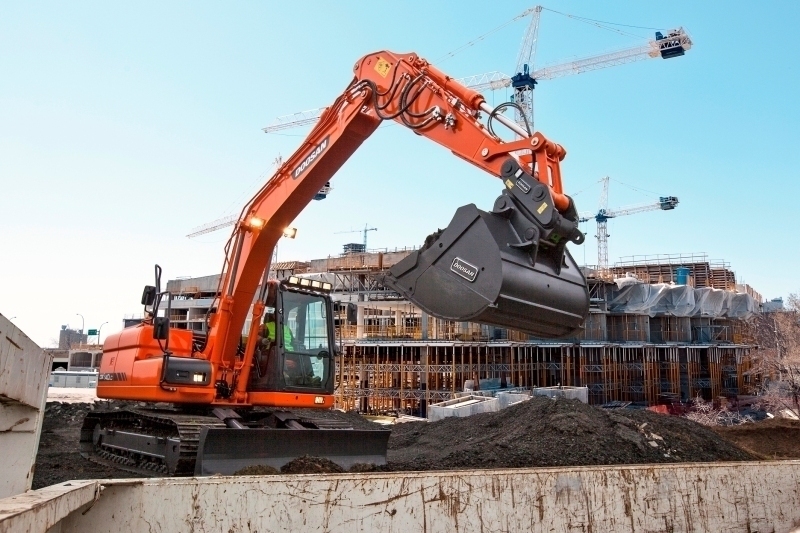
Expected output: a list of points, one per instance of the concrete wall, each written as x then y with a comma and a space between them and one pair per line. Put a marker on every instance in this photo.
24, 371
732, 497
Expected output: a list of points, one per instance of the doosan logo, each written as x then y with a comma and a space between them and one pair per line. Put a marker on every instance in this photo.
113, 376
310, 158
465, 270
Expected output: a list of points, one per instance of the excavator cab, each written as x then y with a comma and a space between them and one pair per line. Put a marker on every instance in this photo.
295, 340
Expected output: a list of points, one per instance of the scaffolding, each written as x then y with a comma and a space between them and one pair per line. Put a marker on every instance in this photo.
406, 375
395, 358
661, 268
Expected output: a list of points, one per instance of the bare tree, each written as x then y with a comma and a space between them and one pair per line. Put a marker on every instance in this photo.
777, 360
704, 413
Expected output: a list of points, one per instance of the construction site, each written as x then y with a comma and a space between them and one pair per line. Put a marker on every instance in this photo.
486, 377
647, 339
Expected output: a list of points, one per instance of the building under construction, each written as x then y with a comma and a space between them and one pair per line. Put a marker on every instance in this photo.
660, 328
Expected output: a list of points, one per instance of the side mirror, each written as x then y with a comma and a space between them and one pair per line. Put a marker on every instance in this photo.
148, 295
160, 328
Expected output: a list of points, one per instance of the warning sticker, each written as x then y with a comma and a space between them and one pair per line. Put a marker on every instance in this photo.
383, 67
509, 184
542, 208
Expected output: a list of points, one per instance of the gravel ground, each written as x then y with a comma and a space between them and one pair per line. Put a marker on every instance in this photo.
539, 432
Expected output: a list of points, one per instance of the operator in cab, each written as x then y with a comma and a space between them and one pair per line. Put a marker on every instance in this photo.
294, 371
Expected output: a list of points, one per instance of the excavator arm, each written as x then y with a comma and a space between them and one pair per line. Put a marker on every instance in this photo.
409, 90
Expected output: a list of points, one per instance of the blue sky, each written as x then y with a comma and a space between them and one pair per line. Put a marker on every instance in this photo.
125, 125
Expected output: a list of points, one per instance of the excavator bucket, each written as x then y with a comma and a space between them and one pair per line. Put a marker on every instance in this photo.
504, 268
227, 450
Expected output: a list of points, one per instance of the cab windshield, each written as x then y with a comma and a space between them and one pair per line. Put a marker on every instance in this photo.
306, 339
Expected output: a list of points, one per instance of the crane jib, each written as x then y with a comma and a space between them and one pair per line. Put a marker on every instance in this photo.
318, 149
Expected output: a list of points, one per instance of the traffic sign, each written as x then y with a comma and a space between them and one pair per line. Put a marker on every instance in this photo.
91, 332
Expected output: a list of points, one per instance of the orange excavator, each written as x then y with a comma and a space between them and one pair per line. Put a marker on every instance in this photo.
257, 389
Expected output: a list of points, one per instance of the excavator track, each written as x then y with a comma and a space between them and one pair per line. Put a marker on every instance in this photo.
145, 441
169, 442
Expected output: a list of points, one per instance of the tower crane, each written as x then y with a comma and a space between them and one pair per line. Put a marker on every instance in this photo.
364, 231
665, 203
673, 43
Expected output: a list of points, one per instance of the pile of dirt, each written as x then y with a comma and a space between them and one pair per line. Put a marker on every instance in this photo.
257, 470
311, 465
778, 438
58, 458
546, 432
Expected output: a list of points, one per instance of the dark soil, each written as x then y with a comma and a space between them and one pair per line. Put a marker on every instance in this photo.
257, 470
545, 432
311, 465
539, 432
770, 439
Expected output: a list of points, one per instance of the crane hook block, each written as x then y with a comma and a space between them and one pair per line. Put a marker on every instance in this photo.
503, 268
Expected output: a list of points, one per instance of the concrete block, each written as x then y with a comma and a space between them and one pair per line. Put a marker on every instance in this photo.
463, 406
24, 370
570, 393
507, 399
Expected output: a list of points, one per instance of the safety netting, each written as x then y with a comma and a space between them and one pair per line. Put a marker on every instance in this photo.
680, 300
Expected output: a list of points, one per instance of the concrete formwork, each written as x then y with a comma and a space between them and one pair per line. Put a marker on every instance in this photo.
729, 497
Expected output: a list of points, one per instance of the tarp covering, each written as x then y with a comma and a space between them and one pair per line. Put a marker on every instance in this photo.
681, 300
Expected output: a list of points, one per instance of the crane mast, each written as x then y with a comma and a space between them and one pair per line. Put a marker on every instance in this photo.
522, 82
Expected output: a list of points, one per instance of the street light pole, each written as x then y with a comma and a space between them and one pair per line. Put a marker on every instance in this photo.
99, 330
82, 322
